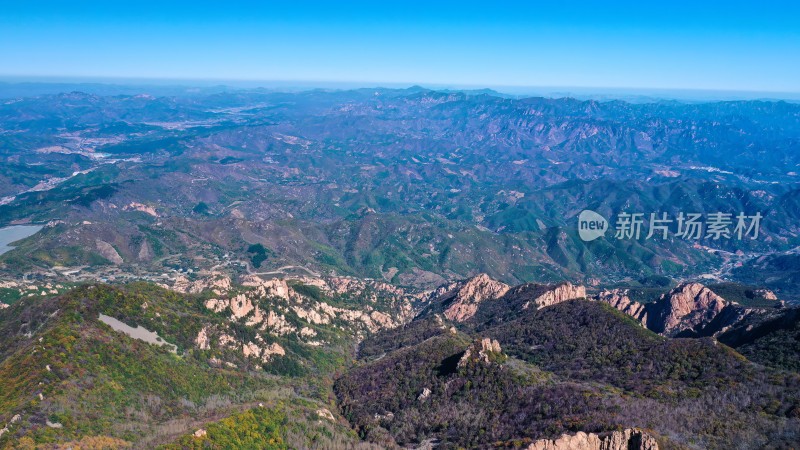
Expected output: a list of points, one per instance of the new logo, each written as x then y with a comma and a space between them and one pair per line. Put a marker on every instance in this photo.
591, 225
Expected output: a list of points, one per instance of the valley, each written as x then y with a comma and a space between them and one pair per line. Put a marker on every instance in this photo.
414, 192
393, 268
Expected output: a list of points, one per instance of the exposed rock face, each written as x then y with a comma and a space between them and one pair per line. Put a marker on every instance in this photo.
219, 283
730, 317
145, 254
689, 306
618, 298
766, 294
273, 288
325, 413
692, 310
482, 298
277, 323
535, 296
382, 320
108, 252
202, 341
273, 349
369, 289
484, 350
240, 306
274, 307
755, 324
630, 439
216, 304
462, 298
14, 420
227, 341
256, 318
424, 395
263, 351
134, 206
560, 293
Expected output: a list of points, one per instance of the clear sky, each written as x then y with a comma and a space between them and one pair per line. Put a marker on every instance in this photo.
731, 45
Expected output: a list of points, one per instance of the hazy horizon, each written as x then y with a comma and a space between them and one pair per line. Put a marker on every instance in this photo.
717, 46
580, 92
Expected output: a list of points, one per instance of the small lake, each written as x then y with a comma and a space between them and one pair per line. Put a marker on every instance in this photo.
15, 233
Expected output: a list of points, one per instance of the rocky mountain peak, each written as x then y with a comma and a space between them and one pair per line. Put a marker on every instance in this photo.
688, 306
536, 296
463, 298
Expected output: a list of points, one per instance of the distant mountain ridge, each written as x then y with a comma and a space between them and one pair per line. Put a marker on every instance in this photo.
414, 186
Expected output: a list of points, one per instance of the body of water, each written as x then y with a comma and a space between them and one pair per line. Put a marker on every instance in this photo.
15, 233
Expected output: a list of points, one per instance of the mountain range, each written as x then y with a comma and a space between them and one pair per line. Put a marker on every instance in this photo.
395, 268
413, 186
475, 363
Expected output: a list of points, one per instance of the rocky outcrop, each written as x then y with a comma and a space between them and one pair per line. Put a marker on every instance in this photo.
766, 294
134, 206
6, 428
629, 439
761, 323
240, 306
484, 351
481, 298
202, 341
218, 283
461, 300
145, 254
557, 294
108, 252
261, 350
256, 318
690, 306
424, 395
325, 413
618, 298
730, 317
368, 289
266, 303
693, 310
216, 305
276, 287
277, 323
532, 296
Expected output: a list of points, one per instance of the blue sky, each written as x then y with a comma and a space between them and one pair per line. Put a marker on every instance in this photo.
732, 45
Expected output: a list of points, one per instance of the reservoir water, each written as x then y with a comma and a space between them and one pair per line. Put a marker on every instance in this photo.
15, 233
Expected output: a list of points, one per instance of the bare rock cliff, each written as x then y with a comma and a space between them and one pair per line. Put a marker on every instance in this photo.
485, 351
689, 306
463, 298
618, 298
559, 293
630, 439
